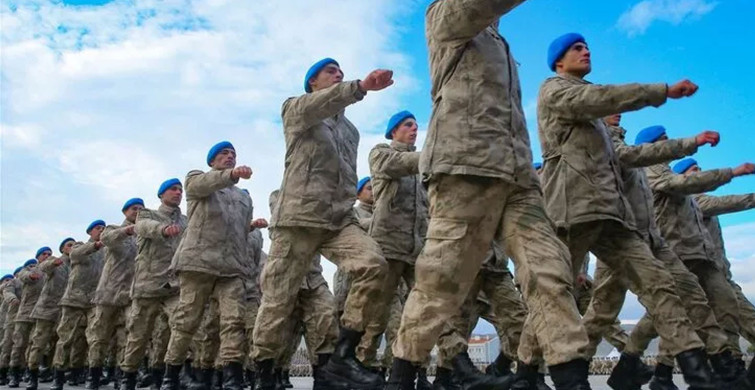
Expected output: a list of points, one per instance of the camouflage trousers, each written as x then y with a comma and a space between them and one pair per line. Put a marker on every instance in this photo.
252, 307
291, 253
466, 214
41, 338
613, 333
71, 349
22, 331
7, 343
296, 332
148, 319
391, 330
746, 314
206, 342
341, 286
196, 290
108, 324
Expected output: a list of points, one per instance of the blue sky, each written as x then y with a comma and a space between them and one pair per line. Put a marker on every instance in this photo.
102, 100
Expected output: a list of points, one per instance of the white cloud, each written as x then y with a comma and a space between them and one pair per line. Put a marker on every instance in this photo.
637, 19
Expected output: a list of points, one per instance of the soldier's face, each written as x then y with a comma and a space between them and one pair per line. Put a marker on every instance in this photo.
43, 256
576, 61
365, 196
226, 159
693, 169
67, 247
172, 196
132, 211
328, 76
613, 120
96, 232
406, 131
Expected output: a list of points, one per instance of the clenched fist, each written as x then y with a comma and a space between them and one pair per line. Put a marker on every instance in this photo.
377, 79
708, 137
241, 172
684, 88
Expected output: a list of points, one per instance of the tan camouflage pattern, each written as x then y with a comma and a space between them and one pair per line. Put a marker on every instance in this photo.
148, 318
118, 272
30, 293
41, 342
21, 333
107, 325
71, 349
152, 275
86, 267
48, 304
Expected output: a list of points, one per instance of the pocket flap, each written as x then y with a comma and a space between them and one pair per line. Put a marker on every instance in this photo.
446, 229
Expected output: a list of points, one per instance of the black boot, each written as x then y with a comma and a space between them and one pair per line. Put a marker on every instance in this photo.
108, 374
663, 378
344, 366
732, 375
251, 378
171, 379
233, 376
144, 377
695, 369
500, 367
217, 380
286, 380
445, 380
59, 379
629, 373
278, 378
526, 376
321, 383
156, 374
751, 374
117, 378
402, 375
3, 376
571, 375
128, 382
74, 375
187, 375
471, 378
202, 379
540, 382
15, 377
95, 374
33, 380
422, 382
45, 374
265, 375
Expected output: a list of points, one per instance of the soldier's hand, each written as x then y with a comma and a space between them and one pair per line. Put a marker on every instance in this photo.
377, 79
681, 89
130, 230
259, 223
744, 169
171, 230
98, 244
57, 261
241, 172
708, 137
581, 279
34, 276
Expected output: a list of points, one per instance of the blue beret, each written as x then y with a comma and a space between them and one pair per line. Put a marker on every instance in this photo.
244, 190
683, 165
132, 202
42, 250
560, 45
60, 248
94, 224
17, 270
395, 120
29, 262
315, 69
6, 276
166, 185
217, 148
649, 135
361, 183
537, 165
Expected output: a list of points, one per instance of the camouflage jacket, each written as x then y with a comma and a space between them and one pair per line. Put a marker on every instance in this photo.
581, 174
319, 178
678, 215
364, 215
712, 207
252, 281
118, 271
48, 305
11, 291
636, 189
477, 125
152, 275
31, 291
219, 216
399, 221
86, 267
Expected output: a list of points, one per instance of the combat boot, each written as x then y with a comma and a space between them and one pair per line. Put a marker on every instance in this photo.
501, 367
33, 380
751, 374
343, 365
471, 378
526, 377
571, 375
143, 376
95, 374
108, 374
45, 372
202, 379
279, 379
171, 380
422, 382
217, 380
731, 373
74, 376
663, 378
129, 381
251, 378
402, 375
445, 380
3, 376
321, 383
157, 377
628, 373
265, 375
233, 376
286, 380
540, 382
187, 374
15, 377
696, 371
59, 379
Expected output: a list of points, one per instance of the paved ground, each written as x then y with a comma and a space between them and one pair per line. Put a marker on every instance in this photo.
597, 382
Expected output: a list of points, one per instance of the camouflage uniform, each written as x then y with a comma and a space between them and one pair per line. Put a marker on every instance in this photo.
478, 162
585, 194
111, 299
341, 279
11, 300
23, 321
86, 266
257, 259
211, 260
47, 309
154, 291
614, 333
314, 215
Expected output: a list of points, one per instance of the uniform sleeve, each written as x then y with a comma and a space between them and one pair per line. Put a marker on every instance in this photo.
202, 184
385, 161
80, 252
148, 227
25, 275
662, 179
645, 155
112, 235
302, 112
458, 21
716, 205
584, 102
9, 295
48, 266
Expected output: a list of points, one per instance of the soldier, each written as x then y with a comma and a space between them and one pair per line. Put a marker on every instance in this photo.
477, 163
47, 310
211, 261
12, 290
585, 197
23, 324
3, 313
86, 266
314, 215
154, 290
253, 292
111, 298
